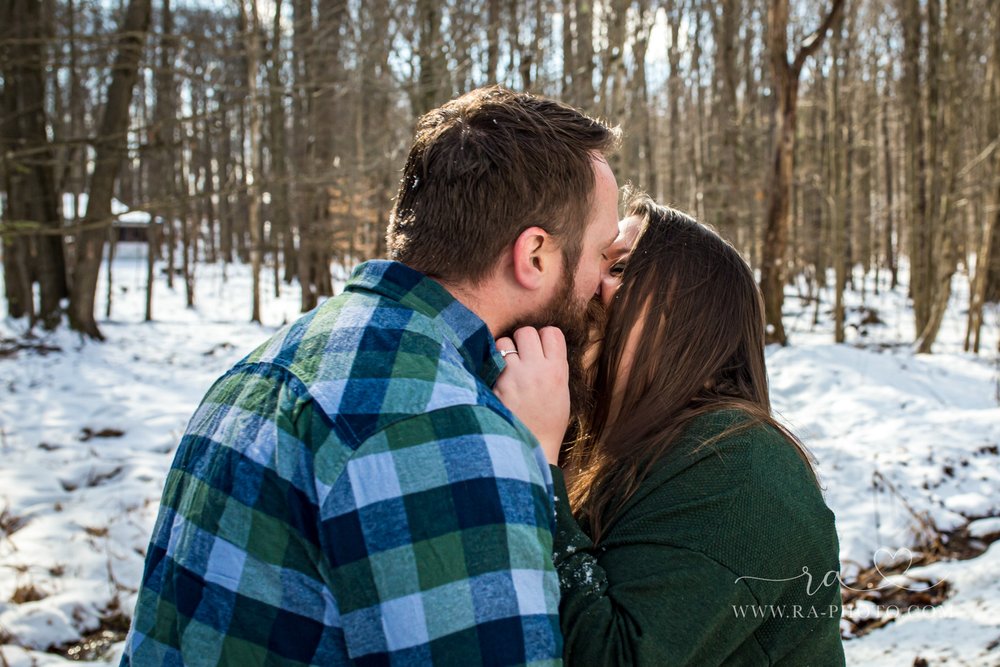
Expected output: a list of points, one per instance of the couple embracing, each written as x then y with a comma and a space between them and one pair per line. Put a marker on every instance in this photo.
536, 434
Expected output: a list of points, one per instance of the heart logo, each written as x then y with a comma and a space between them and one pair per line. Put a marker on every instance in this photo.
892, 559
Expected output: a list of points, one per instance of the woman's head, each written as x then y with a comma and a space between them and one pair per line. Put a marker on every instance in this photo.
684, 336
686, 323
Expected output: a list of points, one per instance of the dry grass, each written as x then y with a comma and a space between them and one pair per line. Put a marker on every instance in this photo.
113, 628
96, 531
10, 523
88, 433
870, 586
27, 593
9, 347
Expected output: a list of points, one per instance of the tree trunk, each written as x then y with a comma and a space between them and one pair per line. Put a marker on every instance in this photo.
253, 173
915, 165
112, 247
241, 203
836, 179
378, 146
583, 77
188, 219
28, 167
164, 151
725, 22
110, 147
492, 40
316, 230
429, 89
227, 181
568, 54
613, 88
675, 93
152, 243
278, 147
992, 268
696, 105
305, 195
645, 139
772, 278
888, 240
943, 90
754, 151
785, 76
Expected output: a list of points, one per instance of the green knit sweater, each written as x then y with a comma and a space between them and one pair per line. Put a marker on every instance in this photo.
706, 565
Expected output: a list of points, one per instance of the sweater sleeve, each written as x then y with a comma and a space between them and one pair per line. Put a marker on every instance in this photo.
645, 603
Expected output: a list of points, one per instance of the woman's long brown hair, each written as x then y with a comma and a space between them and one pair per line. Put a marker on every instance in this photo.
700, 350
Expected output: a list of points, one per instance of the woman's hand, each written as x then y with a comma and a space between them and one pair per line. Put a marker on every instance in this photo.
535, 384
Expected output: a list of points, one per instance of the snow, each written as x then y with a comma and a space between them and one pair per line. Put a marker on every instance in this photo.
89, 505
119, 209
135, 218
985, 527
962, 631
903, 442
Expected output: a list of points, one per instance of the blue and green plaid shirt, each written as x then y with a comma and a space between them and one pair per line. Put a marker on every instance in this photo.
353, 492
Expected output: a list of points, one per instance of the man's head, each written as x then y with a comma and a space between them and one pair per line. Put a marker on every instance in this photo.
508, 197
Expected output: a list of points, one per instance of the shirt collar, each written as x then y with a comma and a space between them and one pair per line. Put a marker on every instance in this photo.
463, 328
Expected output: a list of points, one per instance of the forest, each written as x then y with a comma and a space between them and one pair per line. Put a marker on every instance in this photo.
829, 140
179, 179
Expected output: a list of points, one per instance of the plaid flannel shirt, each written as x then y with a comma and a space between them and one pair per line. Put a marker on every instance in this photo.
353, 492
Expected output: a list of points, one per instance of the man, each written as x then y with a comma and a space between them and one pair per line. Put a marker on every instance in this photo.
352, 491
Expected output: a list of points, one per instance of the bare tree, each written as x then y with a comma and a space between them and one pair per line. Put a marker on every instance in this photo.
942, 156
785, 76
583, 75
110, 147
985, 257
251, 19
726, 194
287, 148
28, 168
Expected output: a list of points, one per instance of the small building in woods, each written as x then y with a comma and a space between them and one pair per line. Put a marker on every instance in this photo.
130, 225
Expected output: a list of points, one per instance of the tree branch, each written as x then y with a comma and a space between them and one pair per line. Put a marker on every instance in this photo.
813, 42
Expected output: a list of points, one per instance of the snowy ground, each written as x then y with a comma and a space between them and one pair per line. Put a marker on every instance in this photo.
903, 441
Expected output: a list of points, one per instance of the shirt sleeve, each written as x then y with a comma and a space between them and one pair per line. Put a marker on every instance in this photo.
645, 603
440, 536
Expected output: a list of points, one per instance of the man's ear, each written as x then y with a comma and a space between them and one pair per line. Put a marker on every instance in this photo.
535, 254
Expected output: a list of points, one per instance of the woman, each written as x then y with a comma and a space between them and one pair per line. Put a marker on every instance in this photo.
693, 529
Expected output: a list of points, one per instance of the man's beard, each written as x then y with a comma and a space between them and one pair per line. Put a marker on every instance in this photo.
577, 320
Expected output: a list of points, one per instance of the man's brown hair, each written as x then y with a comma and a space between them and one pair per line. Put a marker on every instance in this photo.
485, 167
